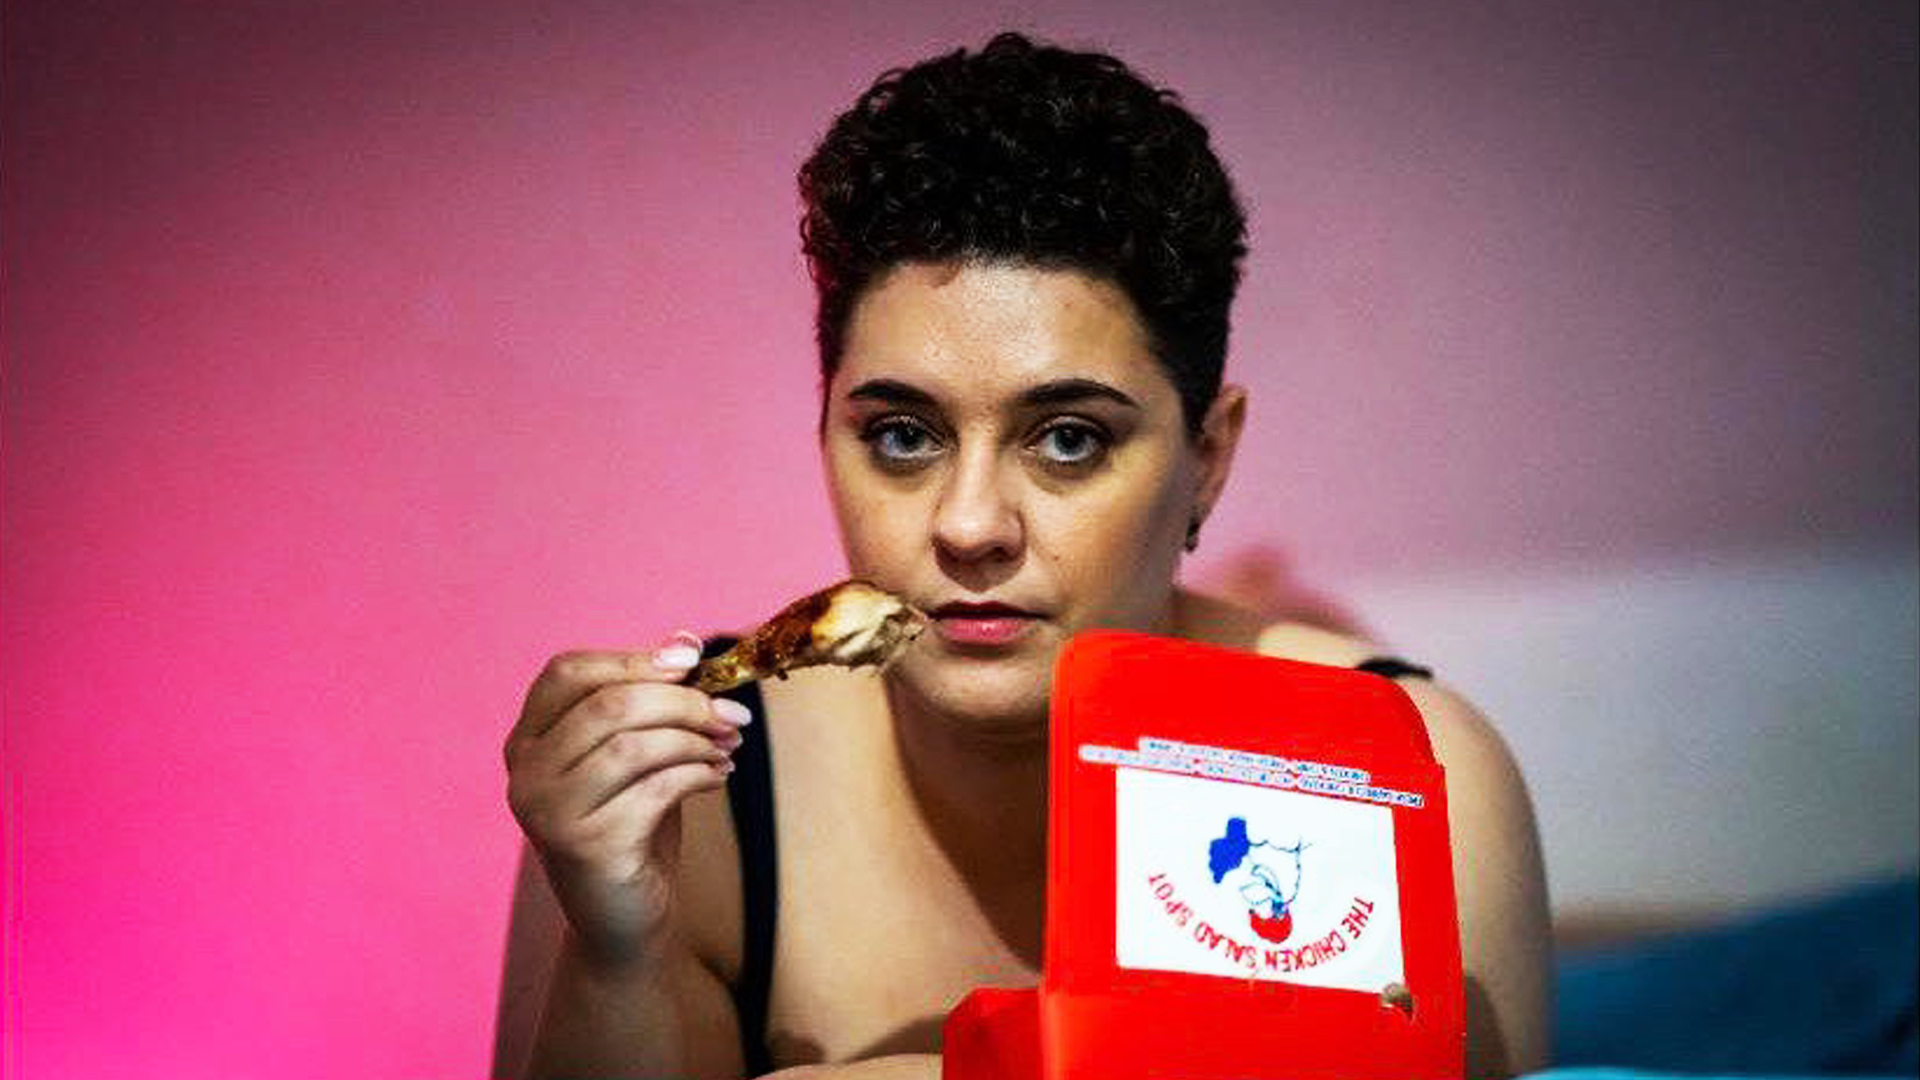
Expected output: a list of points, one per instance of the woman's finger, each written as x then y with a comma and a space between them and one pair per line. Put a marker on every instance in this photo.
632, 757
570, 676
630, 706
639, 807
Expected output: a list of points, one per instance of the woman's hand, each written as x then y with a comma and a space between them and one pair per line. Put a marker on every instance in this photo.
605, 750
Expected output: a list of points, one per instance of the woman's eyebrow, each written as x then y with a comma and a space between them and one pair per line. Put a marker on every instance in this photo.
890, 391
1063, 391
1052, 392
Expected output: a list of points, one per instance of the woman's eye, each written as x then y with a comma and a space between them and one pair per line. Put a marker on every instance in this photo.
900, 441
1071, 444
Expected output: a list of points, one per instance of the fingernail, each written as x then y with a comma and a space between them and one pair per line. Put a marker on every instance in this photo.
676, 657
728, 741
732, 712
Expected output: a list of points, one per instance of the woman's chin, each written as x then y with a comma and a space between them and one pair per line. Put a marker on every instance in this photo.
1005, 693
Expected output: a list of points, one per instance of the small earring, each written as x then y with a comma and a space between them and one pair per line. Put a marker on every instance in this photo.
1193, 532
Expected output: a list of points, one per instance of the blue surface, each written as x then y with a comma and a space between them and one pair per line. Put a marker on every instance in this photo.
1819, 989
1642, 1075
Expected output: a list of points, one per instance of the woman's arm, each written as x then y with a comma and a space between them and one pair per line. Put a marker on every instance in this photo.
608, 752
1506, 945
664, 1016
595, 1021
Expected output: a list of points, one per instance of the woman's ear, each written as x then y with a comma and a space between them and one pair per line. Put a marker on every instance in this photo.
1219, 437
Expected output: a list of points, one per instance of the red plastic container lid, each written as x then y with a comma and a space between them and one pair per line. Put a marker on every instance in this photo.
1248, 876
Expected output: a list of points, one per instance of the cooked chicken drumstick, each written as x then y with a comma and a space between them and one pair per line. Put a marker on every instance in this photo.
850, 624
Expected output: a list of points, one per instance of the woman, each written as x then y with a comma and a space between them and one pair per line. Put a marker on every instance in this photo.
1025, 258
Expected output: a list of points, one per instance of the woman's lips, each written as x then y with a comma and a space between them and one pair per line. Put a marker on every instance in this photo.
981, 624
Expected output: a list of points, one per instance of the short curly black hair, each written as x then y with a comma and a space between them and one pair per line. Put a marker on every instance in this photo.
1038, 155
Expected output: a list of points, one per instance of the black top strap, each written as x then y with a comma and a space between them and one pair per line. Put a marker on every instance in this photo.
1393, 667
750, 795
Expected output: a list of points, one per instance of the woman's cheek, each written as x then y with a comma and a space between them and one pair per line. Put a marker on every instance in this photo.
1131, 551
884, 533
1092, 540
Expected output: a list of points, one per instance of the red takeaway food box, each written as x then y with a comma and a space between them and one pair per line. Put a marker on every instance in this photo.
1248, 877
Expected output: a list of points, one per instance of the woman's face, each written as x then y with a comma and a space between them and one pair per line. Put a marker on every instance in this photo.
1004, 452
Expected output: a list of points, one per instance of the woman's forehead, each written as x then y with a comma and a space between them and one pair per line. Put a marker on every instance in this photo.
997, 329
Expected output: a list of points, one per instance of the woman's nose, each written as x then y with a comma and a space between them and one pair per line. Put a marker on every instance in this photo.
978, 517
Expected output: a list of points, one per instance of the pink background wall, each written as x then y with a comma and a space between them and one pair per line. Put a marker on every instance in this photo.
359, 355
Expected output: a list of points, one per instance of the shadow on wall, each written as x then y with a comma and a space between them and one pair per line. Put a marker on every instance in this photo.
1261, 578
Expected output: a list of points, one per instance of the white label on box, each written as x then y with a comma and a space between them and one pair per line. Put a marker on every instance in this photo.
1251, 882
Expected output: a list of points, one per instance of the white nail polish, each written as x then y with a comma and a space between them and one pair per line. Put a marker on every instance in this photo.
676, 657
732, 712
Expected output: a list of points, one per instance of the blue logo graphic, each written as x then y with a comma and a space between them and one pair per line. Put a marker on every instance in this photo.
1269, 908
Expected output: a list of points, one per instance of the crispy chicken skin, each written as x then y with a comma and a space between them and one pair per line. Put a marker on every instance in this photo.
852, 624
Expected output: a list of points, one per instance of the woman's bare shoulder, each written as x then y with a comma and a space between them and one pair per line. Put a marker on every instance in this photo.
1461, 733
1205, 617
1314, 644
1467, 743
